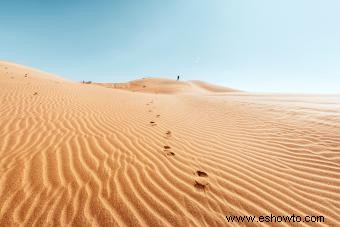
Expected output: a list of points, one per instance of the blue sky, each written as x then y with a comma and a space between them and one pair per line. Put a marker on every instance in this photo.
253, 45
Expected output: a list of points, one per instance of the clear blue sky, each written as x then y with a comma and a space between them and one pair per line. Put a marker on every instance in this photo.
254, 45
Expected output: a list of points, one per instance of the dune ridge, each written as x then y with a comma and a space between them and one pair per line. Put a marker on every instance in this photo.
184, 154
166, 86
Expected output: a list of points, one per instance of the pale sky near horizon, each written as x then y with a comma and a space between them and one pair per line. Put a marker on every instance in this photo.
252, 45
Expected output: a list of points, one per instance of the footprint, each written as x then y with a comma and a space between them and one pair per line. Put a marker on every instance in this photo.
167, 152
158, 115
35, 93
153, 123
201, 173
170, 153
201, 185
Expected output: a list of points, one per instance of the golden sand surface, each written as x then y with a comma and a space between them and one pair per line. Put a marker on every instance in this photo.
157, 152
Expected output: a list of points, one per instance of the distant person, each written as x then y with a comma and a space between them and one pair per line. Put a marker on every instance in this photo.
178, 77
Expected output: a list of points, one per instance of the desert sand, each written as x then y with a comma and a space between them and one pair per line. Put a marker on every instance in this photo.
157, 152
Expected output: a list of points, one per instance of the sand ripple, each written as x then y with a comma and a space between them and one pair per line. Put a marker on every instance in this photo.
82, 155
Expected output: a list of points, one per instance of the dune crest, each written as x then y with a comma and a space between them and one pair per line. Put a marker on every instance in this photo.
73, 154
167, 86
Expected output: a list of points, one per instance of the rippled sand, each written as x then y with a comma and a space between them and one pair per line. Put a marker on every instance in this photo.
168, 154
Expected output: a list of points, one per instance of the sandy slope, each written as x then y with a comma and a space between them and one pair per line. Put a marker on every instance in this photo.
78, 154
166, 86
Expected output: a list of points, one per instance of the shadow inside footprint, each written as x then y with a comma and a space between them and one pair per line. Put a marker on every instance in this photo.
201, 173
200, 185
158, 115
35, 93
170, 153
166, 147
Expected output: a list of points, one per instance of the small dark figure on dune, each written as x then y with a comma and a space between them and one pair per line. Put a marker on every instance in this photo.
178, 77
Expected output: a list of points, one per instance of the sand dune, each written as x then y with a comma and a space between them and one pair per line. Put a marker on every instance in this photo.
175, 154
166, 86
